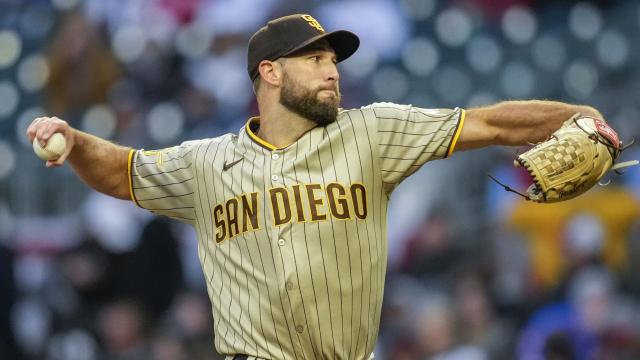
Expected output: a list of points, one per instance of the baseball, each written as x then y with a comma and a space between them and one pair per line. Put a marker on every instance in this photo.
54, 148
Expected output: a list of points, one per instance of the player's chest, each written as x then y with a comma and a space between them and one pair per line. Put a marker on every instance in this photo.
282, 188
323, 162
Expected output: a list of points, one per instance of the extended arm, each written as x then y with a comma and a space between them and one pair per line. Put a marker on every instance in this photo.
516, 122
100, 163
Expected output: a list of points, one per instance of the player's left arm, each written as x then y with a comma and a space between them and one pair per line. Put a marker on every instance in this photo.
516, 123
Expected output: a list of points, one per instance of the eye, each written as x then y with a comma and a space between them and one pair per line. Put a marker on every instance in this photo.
314, 58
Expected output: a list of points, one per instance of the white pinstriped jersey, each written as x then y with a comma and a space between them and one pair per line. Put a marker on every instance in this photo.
292, 241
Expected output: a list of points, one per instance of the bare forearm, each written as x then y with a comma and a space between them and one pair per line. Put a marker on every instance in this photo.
101, 164
518, 122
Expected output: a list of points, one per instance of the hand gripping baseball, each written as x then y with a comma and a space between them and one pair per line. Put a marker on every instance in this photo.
571, 161
41, 131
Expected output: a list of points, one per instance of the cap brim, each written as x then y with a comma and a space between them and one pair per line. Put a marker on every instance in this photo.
344, 43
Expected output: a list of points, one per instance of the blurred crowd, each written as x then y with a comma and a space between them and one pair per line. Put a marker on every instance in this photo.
474, 272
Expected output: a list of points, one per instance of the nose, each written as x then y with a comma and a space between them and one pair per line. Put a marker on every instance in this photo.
332, 73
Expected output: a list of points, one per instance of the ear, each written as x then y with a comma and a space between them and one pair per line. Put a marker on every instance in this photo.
271, 72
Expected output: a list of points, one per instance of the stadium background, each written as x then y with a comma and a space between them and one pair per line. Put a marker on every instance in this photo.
474, 272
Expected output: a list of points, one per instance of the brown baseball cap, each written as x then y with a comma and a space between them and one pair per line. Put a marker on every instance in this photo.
286, 35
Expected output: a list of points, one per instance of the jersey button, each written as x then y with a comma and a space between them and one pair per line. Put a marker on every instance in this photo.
275, 156
299, 328
289, 285
281, 242
274, 177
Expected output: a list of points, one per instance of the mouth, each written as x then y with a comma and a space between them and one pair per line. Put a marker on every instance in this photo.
331, 92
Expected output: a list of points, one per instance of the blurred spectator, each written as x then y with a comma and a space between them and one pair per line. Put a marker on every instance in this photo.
75, 344
477, 323
83, 69
190, 319
123, 331
435, 334
166, 347
153, 272
431, 253
8, 348
585, 323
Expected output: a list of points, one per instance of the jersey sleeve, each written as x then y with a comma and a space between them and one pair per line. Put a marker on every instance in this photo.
410, 136
162, 181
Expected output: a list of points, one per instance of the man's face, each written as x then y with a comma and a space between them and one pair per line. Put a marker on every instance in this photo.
310, 85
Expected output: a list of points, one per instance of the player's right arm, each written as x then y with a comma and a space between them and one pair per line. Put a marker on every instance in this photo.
101, 164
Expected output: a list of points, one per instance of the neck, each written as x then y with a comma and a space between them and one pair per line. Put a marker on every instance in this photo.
280, 127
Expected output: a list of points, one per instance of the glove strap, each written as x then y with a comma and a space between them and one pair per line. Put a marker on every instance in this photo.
509, 189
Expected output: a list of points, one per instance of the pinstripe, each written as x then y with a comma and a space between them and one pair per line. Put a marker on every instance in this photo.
377, 291
163, 172
333, 231
435, 119
222, 267
163, 185
255, 235
295, 264
206, 239
306, 158
397, 158
266, 226
284, 274
167, 197
235, 268
253, 269
313, 282
273, 256
344, 149
406, 146
173, 208
405, 133
355, 138
304, 307
351, 314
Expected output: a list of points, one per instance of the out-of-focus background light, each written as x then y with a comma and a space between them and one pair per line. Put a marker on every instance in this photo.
9, 99
10, 47
100, 120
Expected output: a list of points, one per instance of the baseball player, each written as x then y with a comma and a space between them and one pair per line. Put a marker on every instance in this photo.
290, 212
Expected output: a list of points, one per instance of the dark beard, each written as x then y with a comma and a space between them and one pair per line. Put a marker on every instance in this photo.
305, 103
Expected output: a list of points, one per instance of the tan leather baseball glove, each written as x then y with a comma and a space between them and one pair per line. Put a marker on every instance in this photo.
572, 160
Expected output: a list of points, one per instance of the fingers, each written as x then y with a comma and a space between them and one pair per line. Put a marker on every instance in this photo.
40, 131
43, 127
32, 129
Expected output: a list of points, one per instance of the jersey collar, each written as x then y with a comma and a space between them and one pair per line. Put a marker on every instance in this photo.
252, 126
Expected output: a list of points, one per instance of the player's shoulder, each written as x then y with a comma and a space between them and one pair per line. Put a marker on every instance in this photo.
389, 109
206, 142
387, 106
378, 106
377, 110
